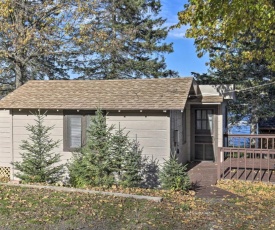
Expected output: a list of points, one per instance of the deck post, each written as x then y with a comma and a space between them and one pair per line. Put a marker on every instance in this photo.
219, 164
268, 165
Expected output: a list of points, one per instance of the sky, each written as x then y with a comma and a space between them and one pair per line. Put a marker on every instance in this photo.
184, 58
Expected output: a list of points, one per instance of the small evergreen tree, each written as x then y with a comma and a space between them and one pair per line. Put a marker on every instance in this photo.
127, 158
93, 164
119, 149
132, 166
109, 157
39, 164
150, 173
173, 175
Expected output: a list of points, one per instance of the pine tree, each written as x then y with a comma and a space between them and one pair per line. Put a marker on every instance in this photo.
39, 162
109, 157
132, 166
127, 159
119, 148
174, 176
133, 44
93, 164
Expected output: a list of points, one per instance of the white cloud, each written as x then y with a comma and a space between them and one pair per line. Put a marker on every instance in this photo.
170, 8
177, 33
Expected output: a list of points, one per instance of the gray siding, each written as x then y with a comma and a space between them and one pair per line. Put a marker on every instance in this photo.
151, 129
5, 138
188, 144
154, 131
178, 145
22, 118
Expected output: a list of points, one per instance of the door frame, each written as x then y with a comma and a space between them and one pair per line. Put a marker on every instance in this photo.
215, 109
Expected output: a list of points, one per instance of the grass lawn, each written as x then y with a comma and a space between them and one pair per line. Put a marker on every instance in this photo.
24, 208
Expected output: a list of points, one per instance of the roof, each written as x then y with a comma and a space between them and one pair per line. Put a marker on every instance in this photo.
138, 94
212, 99
217, 93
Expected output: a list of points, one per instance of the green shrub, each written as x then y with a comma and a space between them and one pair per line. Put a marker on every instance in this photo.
39, 164
92, 164
109, 157
173, 175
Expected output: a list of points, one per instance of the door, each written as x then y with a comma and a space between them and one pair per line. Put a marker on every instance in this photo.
204, 134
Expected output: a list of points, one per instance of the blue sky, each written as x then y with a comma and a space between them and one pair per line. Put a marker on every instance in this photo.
184, 58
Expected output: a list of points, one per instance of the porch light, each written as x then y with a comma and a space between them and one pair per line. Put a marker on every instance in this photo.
77, 110
164, 111
140, 111
19, 109
119, 111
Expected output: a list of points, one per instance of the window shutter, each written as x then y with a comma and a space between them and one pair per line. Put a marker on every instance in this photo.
74, 131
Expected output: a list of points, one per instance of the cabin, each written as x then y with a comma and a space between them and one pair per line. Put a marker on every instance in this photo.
267, 126
165, 115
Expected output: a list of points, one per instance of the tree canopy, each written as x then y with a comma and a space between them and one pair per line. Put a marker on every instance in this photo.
32, 40
215, 23
46, 39
133, 46
239, 37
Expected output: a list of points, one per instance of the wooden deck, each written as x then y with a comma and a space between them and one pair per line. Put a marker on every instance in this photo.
248, 157
248, 169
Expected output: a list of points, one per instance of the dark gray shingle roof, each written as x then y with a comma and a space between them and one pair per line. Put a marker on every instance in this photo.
149, 94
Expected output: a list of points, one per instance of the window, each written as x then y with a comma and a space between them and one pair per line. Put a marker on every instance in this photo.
204, 119
75, 130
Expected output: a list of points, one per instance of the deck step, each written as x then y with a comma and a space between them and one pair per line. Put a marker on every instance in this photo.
202, 174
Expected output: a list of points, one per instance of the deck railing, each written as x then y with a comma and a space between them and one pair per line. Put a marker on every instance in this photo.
247, 157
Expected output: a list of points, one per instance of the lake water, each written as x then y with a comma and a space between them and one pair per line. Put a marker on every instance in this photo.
243, 129
240, 129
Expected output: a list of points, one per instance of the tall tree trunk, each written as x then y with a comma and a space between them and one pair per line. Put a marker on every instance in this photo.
113, 52
254, 121
254, 125
254, 129
18, 75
